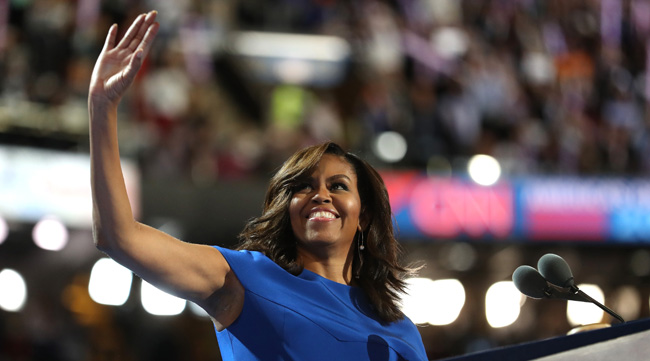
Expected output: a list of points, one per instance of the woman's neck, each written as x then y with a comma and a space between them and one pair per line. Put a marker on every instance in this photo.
335, 267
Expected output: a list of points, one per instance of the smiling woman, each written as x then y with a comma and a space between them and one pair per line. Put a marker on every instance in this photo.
317, 275
327, 221
325, 214
316, 178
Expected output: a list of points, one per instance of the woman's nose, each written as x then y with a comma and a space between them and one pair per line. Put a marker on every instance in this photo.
322, 195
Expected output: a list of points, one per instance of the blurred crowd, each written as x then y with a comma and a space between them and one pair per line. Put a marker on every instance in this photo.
546, 87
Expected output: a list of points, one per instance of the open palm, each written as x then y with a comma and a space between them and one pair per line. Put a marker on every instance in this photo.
118, 64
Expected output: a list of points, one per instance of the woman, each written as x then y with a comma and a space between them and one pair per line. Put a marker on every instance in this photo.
317, 276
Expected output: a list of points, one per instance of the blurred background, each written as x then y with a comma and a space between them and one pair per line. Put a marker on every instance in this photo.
504, 130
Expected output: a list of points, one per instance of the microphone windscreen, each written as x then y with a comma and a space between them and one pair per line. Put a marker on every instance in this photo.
555, 269
529, 282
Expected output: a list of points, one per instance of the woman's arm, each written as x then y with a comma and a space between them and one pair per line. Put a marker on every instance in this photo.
198, 273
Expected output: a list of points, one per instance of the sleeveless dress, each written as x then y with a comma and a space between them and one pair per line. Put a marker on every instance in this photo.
308, 317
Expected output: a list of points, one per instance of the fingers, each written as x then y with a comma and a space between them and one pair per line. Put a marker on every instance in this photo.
122, 81
110, 38
131, 32
143, 30
134, 66
147, 40
137, 31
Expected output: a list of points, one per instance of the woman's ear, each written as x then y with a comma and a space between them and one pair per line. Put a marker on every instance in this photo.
363, 221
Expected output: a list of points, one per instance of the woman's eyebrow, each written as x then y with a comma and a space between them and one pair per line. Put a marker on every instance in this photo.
339, 176
310, 179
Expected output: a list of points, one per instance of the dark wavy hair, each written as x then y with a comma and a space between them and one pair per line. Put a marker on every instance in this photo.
380, 275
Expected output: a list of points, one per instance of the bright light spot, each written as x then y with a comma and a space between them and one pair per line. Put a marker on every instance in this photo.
415, 302
291, 46
294, 71
110, 283
13, 290
197, 310
450, 42
390, 147
538, 68
422, 302
585, 313
502, 304
446, 309
484, 170
4, 230
160, 303
50, 234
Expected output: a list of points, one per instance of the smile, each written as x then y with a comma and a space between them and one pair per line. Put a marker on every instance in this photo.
322, 215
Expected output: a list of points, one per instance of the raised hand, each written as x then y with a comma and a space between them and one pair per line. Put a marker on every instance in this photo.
118, 64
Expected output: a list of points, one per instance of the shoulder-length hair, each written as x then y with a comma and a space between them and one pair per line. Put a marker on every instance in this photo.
380, 275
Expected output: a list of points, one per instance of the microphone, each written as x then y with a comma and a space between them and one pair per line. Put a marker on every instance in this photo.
532, 284
555, 270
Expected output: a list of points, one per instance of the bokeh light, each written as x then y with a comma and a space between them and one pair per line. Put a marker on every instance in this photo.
484, 169
390, 147
585, 313
13, 290
110, 283
50, 234
502, 304
197, 310
4, 230
423, 302
160, 303
449, 42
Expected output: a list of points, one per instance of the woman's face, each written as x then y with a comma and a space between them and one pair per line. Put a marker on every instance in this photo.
326, 206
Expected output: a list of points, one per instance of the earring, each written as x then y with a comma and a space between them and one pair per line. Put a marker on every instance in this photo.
361, 247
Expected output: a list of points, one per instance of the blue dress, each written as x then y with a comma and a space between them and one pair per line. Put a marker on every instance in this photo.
308, 317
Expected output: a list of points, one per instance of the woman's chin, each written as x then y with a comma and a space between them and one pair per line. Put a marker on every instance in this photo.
321, 243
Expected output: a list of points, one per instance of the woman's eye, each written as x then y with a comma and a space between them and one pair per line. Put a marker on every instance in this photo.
339, 186
301, 187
